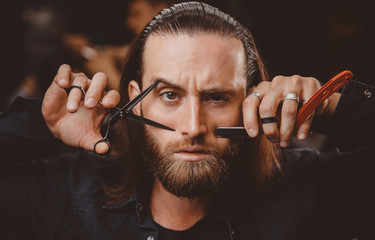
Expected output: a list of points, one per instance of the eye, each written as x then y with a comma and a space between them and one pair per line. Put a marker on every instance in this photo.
169, 96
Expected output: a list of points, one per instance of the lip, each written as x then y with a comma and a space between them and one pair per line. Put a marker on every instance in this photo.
192, 154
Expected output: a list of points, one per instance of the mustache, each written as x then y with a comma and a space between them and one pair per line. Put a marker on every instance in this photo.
151, 144
188, 143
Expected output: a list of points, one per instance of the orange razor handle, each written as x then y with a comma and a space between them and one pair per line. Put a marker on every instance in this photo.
324, 92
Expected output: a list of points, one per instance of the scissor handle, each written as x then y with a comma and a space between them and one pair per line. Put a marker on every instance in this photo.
105, 140
116, 111
322, 94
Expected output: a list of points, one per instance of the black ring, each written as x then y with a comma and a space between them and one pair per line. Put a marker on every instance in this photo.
268, 120
102, 154
67, 90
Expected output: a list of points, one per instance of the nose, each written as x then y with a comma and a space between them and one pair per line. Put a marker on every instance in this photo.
192, 121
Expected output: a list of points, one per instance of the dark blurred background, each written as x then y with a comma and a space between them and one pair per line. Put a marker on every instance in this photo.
310, 38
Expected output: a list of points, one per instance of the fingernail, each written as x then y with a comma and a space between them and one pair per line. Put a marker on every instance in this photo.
284, 144
90, 103
302, 136
62, 81
252, 132
72, 105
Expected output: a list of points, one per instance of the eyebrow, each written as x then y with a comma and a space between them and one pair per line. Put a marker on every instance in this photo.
166, 82
214, 90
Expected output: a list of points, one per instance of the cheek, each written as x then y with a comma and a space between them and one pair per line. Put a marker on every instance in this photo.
154, 111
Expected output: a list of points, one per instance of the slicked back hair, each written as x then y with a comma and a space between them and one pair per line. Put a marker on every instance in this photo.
195, 18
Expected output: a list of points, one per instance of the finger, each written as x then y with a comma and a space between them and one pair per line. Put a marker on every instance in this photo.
55, 95
268, 108
111, 99
96, 89
250, 115
75, 94
250, 108
101, 148
95, 138
312, 85
288, 120
305, 127
63, 76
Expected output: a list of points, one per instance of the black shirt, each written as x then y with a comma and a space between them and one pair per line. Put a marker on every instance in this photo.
209, 227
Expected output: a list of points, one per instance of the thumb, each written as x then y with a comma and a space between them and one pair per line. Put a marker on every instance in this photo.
102, 148
97, 144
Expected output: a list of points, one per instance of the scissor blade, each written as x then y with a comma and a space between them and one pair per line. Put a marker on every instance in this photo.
143, 120
233, 132
130, 105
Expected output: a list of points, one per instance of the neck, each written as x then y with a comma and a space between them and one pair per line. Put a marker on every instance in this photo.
174, 212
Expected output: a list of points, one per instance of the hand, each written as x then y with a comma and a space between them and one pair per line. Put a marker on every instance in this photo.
76, 122
272, 104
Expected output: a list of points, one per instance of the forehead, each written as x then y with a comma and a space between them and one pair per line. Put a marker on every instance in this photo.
208, 59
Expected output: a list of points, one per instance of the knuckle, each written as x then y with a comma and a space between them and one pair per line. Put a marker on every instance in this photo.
314, 83
295, 80
102, 77
310, 84
81, 75
262, 84
67, 66
278, 78
64, 67
265, 108
296, 77
81, 79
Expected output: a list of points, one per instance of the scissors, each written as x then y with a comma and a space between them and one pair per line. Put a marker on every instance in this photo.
320, 96
124, 112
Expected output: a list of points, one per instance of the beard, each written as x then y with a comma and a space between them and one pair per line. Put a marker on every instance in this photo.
188, 178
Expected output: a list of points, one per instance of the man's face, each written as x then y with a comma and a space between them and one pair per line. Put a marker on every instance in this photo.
202, 87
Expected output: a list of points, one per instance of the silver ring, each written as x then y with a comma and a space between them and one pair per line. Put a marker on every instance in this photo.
292, 96
256, 94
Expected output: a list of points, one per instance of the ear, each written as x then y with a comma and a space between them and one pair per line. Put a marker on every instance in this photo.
133, 91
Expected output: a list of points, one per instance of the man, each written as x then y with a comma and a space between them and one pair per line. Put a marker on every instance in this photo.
197, 185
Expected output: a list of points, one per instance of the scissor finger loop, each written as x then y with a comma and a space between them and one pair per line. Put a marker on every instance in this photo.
67, 90
104, 140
